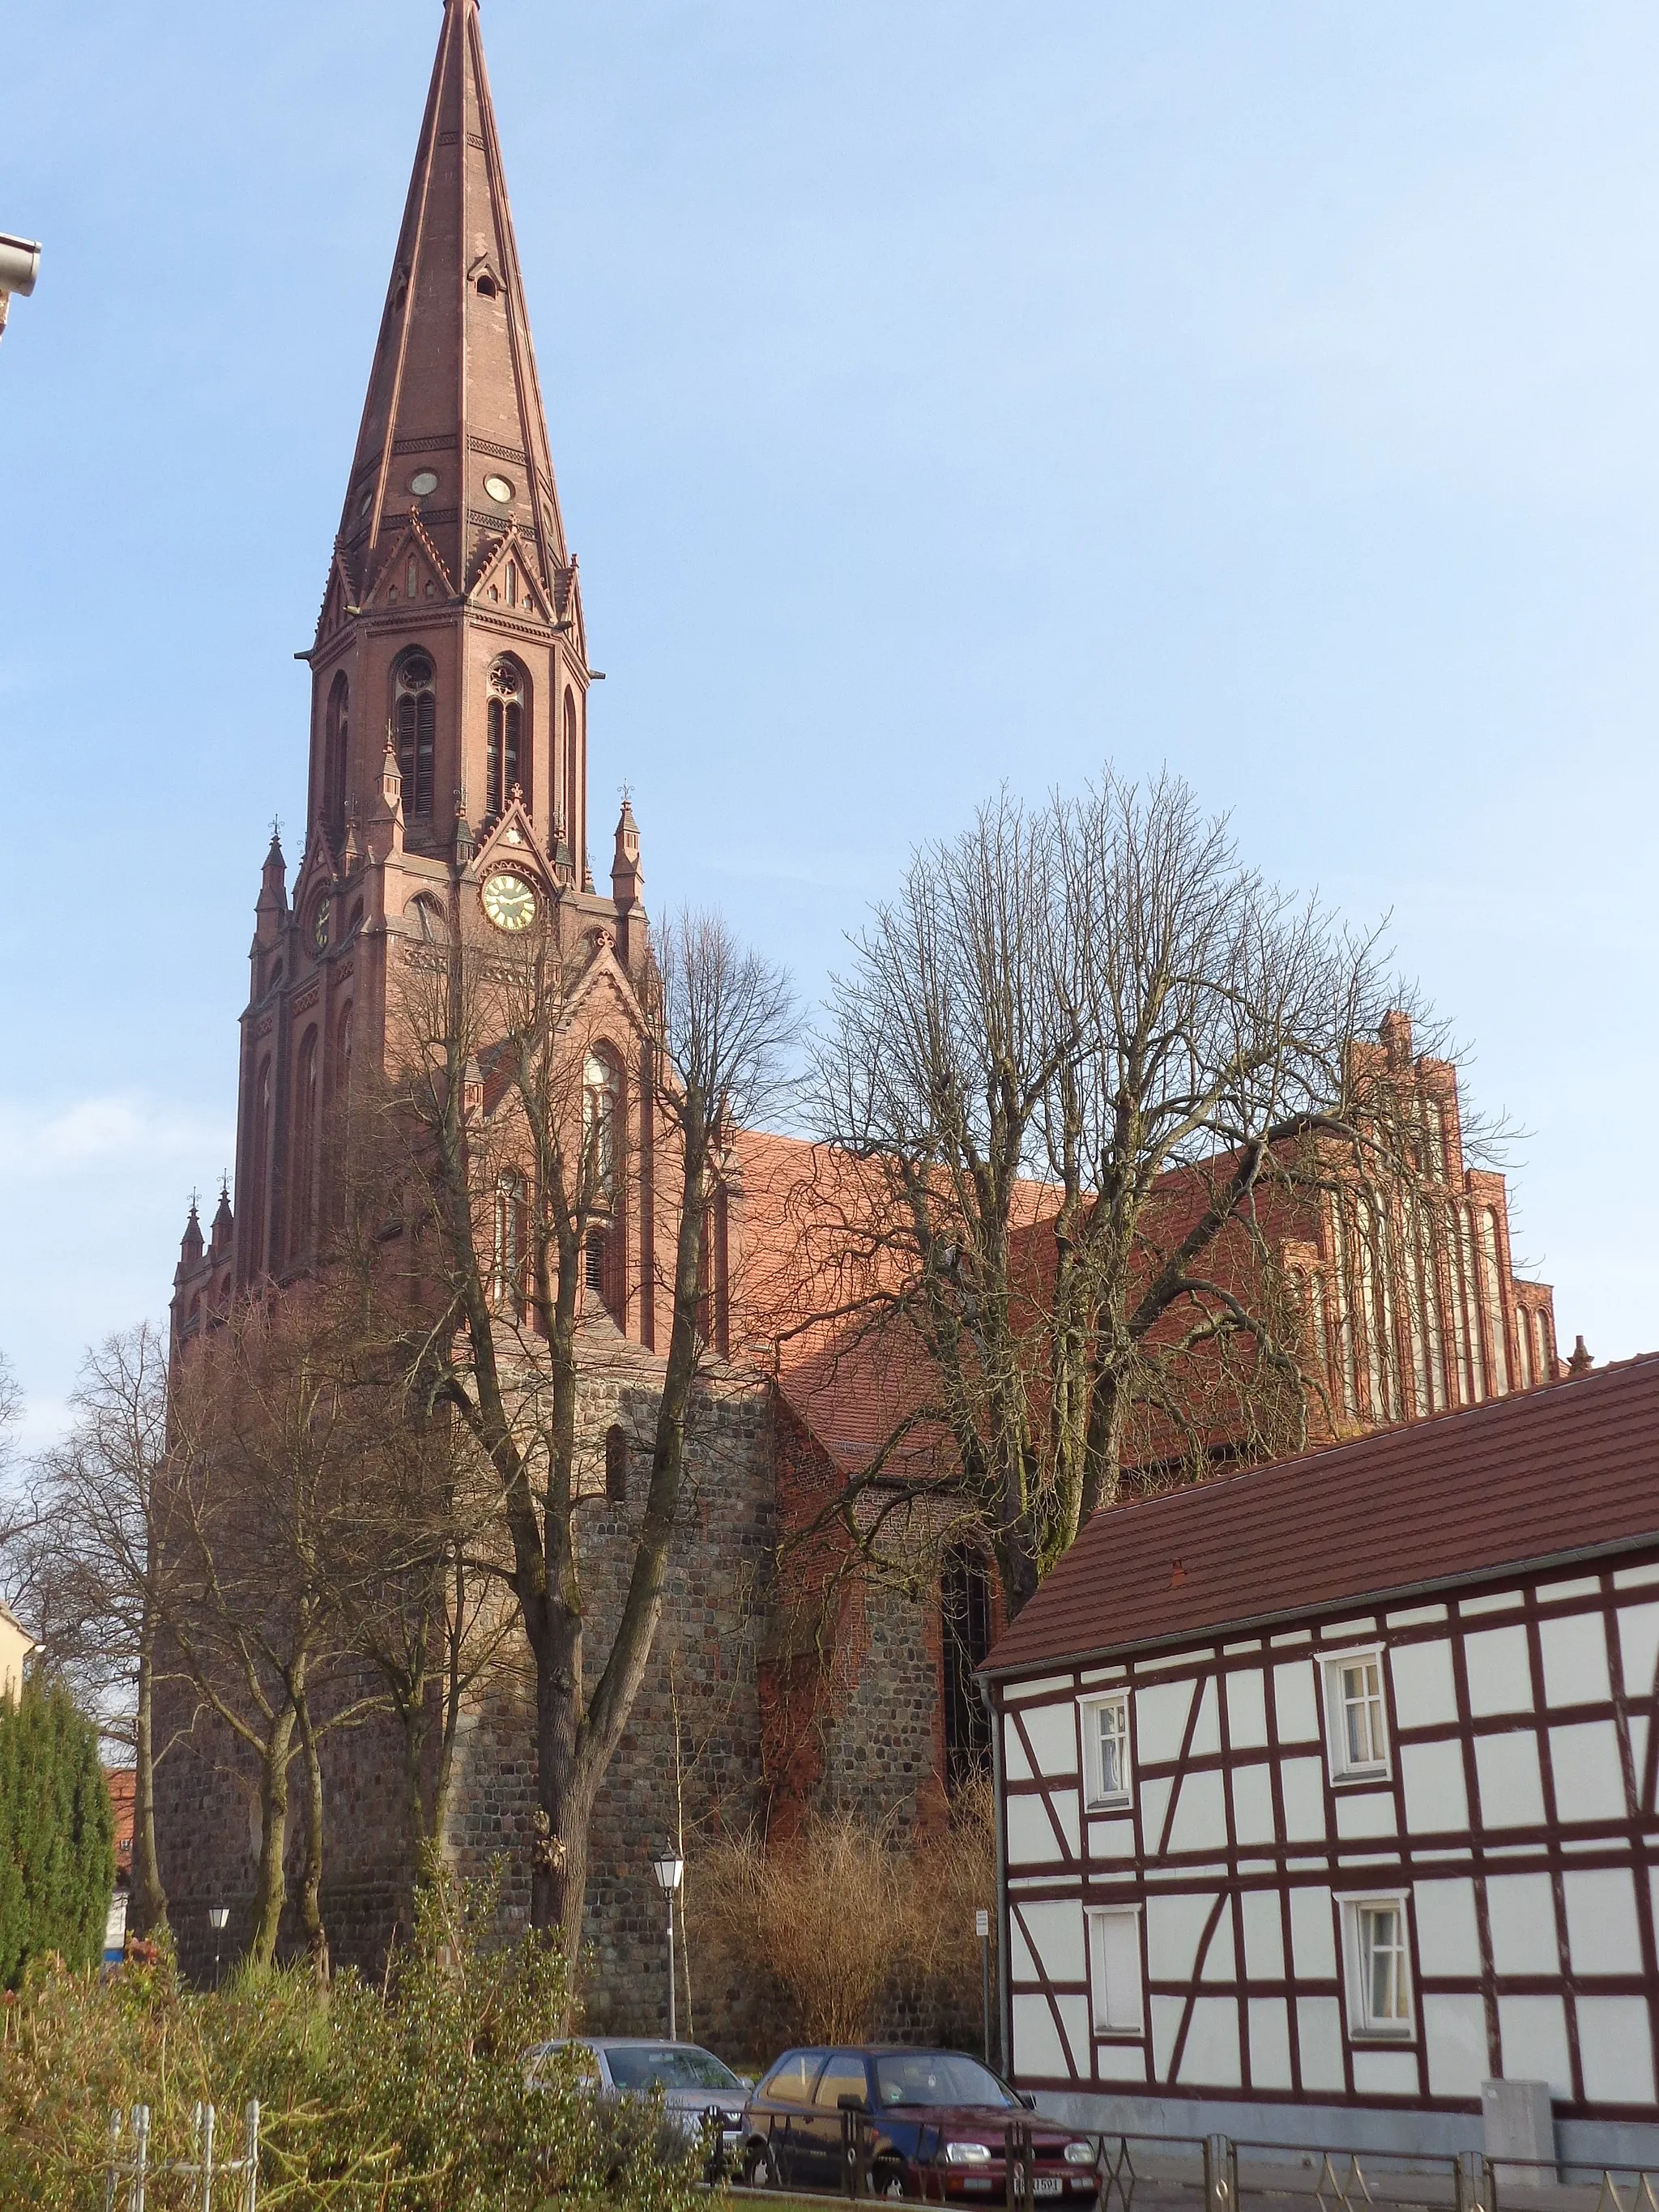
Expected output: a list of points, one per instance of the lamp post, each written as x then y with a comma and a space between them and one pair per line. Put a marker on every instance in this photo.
668, 1869
217, 1916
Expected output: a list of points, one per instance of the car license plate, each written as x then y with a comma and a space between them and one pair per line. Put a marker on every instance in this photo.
1046, 2184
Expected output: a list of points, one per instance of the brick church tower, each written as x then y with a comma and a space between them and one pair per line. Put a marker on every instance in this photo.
450, 680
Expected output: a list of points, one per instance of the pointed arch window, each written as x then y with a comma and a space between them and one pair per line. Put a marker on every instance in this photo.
602, 1086
305, 1144
570, 777
415, 713
511, 1225
507, 749
335, 745
260, 1168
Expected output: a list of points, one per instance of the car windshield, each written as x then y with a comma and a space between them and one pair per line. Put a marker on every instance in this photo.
676, 2065
937, 2077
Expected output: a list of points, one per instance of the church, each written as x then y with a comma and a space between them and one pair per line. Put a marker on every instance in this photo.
448, 761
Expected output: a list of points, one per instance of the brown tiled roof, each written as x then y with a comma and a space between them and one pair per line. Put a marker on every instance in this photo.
1567, 1468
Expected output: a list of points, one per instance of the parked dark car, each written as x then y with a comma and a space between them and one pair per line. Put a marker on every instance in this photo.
934, 2122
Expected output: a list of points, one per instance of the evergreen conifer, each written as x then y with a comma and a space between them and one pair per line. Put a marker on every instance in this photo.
57, 1832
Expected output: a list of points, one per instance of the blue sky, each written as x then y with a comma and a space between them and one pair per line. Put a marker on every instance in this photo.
939, 393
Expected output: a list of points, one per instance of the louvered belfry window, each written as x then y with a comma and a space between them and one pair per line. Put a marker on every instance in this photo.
416, 717
508, 766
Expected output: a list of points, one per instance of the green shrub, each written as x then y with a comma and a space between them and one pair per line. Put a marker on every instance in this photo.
57, 1833
410, 2096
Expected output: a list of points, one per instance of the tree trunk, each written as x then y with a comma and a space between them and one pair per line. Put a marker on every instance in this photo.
148, 1903
270, 1890
311, 1867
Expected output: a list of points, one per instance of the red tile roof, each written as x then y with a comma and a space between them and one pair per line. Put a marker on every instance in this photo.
1568, 1468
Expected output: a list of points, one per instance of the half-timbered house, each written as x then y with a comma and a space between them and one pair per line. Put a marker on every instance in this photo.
1326, 1791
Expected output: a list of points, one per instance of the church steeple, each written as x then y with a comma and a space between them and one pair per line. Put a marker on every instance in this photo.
453, 396
451, 623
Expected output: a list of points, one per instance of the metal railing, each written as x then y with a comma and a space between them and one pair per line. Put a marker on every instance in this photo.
140, 2170
1220, 2173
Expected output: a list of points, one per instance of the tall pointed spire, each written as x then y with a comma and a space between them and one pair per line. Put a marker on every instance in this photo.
453, 422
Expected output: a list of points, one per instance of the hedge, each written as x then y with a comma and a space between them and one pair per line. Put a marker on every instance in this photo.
57, 1833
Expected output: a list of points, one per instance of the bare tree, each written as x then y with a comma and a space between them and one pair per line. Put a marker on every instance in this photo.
1079, 1061
516, 1141
100, 1556
268, 1431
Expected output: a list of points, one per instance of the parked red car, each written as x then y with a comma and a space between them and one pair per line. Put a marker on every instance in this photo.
934, 2124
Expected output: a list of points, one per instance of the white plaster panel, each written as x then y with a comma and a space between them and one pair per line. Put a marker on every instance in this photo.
1364, 1813
1319, 2036
1167, 2015
1385, 2073
1635, 1577
1602, 1935
1068, 1811
1454, 2038
1030, 1836
1253, 1804
1417, 1616
1206, 1728
1154, 1798
1437, 1798
1521, 1910
1448, 1936
1313, 1939
1637, 1723
1500, 1677
1575, 1654
1016, 1767
1302, 1781
1052, 1731
1247, 1711
1112, 1840
1580, 1586
1039, 2054
1264, 1935
1220, 1960
1295, 1709
1506, 1768
1589, 1778
1425, 1695
1173, 1926
1054, 1926
1494, 1601
1533, 2032
1079, 2029
1638, 1647
1047, 1686
1119, 2062
1201, 1813
1212, 2052
1270, 2043
1615, 2050
1161, 1711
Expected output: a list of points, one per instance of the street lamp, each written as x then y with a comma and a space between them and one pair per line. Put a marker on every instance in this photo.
20, 264
217, 1916
668, 1870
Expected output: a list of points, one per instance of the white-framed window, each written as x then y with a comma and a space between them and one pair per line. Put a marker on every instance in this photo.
1356, 1726
1114, 1969
1107, 1779
1377, 1955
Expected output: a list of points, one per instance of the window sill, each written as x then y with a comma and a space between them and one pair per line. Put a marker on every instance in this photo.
1391, 2038
1122, 1803
1362, 1777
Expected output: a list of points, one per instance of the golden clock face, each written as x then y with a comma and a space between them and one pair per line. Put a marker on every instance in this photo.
509, 902
320, 927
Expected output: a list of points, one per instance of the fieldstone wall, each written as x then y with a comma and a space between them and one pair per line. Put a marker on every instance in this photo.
690, 1761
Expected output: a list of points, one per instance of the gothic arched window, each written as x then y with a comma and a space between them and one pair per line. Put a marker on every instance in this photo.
570, 777
260, 1168
415, 713
507, 757
305, 1144
510, 1227
336, 743
602, 1090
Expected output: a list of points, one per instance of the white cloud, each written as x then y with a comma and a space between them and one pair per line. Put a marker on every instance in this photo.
121, 1130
